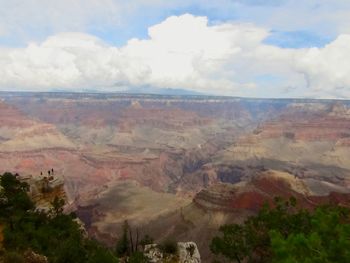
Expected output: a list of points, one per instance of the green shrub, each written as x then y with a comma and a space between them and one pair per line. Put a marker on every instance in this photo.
285, 234
138, 257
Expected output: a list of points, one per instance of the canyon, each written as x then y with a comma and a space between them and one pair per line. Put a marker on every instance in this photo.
177, 166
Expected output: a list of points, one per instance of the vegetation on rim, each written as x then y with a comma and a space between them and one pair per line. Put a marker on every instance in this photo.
288, 234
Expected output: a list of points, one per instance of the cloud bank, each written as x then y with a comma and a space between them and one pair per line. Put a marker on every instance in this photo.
181, 52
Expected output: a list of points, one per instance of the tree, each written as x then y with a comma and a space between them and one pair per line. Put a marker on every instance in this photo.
233, 243
327, 241
14, 194
53, 234
99, 254
122, 247
57, 206
287, 234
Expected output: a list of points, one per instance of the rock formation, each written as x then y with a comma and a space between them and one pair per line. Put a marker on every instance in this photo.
44, 189
119, 155
263, 188
187, 252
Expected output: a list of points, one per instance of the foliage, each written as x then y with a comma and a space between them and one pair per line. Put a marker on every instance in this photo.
287, 234
327, 240
138, 257
127, 249
122, 247
99, 254
13, 196
53, 234
57, 206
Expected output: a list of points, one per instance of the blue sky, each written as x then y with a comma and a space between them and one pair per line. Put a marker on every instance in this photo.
301, 26
283, 43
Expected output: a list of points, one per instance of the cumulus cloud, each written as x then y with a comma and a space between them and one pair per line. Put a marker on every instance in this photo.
180, 52
327, 70
66, 60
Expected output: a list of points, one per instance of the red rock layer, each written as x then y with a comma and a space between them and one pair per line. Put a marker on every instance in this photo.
309, 124
263, 189
12, 117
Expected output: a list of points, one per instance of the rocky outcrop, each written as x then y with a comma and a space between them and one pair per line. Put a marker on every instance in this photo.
263, 188
187, 252
44, 189
153, 253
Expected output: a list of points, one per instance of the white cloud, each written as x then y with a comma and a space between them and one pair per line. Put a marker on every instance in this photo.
66, 60
181, 52
327, 70
185, 52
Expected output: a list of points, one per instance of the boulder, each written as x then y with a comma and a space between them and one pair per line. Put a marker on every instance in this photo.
188, 252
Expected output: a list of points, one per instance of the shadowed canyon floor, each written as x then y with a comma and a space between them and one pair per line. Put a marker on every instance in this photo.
177, 166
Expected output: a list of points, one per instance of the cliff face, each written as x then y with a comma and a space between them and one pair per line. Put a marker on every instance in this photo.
12, 117
263, 188
309, 141
19, 132
329, 123
170, 144
320, 123
156, 142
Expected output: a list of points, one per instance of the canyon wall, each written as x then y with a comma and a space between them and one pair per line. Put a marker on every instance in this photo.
184, 163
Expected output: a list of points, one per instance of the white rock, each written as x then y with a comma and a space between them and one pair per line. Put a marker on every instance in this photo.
188, 252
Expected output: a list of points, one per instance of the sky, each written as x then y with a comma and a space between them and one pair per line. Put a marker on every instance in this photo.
248, 48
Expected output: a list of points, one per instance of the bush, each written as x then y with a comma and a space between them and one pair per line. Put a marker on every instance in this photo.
138, 257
